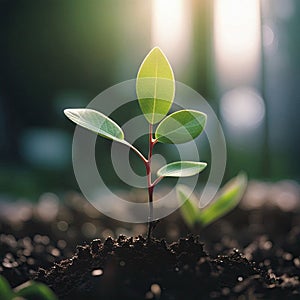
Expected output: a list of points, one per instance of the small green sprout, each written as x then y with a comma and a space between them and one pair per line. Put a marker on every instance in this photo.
225, 201
28, 290
155, 88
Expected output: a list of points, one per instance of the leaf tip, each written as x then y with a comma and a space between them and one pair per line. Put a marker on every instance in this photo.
66, 111
242, 175
203, 166
242, 178
69, 112
156, 49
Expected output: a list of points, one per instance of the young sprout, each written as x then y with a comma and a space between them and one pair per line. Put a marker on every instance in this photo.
225, 201
155, 88
27, 290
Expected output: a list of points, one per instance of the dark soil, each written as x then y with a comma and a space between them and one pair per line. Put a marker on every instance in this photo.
129, 268
249, 254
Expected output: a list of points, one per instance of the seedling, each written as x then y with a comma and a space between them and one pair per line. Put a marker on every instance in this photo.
225, 201
28, 290
155, 88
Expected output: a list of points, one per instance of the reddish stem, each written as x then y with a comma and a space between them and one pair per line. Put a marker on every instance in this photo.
150, 186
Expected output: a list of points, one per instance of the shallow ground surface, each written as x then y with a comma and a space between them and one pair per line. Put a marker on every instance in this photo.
254, 252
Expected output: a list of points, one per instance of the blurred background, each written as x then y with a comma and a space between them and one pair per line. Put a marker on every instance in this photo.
243, 56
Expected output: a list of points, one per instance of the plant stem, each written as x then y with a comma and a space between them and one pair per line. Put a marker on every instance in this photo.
150, 186
157, 180
145, 161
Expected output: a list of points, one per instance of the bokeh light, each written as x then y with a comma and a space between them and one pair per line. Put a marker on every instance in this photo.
242, 108
237, 40
171, 30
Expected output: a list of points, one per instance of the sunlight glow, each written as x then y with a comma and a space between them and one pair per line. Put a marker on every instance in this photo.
171, 30
237, 40
242, 108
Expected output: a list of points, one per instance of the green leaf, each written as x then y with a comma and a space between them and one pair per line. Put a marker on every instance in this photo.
181, 127
189, 209
99, 123
32, 290
181, 169
96, 122
5, 290
226, 200
155, 86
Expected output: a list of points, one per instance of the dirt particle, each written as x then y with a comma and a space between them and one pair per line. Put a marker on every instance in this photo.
95, 246
109, 243
7, 264
287, 256
267, 245
55, 252
97, 272
297, 262
156, 290
82, 252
